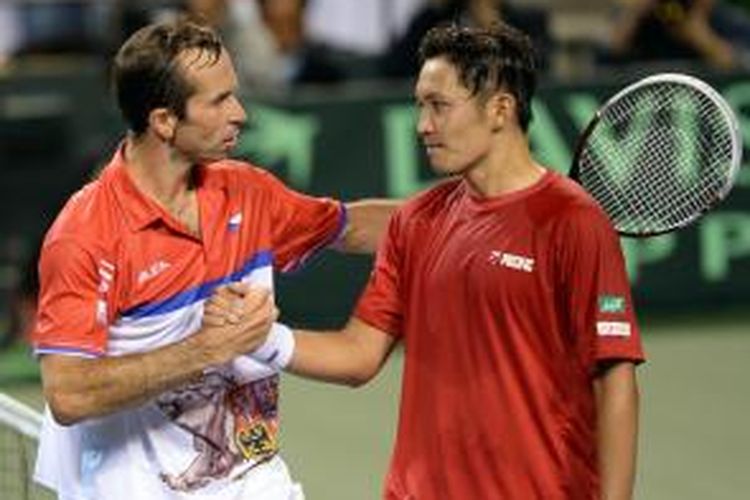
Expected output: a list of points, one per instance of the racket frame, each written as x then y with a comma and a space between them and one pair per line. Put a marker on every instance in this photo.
714, 97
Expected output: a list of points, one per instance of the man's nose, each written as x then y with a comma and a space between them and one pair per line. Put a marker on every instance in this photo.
425, 124
237, 113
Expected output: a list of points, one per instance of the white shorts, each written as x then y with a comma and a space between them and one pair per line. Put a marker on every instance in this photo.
79, 467
270, 481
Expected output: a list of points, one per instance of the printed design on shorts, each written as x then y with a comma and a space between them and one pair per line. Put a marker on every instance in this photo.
611, 304
230, 423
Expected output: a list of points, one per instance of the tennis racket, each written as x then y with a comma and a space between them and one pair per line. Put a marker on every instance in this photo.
659, 154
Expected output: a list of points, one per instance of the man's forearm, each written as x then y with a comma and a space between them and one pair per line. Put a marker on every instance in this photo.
350, 357
78, 389
366, 224
617, 410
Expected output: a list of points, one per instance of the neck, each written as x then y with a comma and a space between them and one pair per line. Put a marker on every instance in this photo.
508, 167
157, 170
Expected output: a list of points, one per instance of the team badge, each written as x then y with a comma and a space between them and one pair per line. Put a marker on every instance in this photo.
611, 304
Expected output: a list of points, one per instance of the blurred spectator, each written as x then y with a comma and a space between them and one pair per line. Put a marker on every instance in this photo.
401, 60
62, 27
732, 21
127, 16
269, 41
10, 33
49, 27
579, 30
652, 30
361, 27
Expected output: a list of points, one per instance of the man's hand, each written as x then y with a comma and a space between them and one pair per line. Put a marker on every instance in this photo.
236, 320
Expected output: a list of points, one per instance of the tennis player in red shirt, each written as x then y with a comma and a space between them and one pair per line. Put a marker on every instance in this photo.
146, 400
507, 288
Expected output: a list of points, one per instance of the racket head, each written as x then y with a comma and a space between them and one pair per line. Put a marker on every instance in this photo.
659, 154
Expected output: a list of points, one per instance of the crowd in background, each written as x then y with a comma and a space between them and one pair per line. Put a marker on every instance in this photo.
282, 43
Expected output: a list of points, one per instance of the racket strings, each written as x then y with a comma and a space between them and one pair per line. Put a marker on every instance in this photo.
658, 157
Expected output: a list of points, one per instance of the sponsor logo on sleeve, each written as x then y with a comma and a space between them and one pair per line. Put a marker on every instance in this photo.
611, 304
106, 271
613, 329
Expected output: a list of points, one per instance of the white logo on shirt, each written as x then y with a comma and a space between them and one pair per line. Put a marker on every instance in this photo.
106, 274
235, 221
101, 312
153, 270
106, 271
613, 329
512, 261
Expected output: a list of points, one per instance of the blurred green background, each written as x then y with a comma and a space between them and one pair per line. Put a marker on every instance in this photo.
695, 436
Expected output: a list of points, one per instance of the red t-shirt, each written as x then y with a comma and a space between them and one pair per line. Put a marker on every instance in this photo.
505, 306
120, 275
114, 259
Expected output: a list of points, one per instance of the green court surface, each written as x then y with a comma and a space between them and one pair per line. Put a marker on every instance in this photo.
695, 432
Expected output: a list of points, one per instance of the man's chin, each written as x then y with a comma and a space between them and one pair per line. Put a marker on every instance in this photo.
214, 157
443, 169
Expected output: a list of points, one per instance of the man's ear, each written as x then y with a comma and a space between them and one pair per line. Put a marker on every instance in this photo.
163, 122
501, 109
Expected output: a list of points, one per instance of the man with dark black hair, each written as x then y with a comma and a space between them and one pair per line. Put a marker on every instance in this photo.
507, 287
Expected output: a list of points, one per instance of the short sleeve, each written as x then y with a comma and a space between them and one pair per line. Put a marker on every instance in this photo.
302, 224
71, 316
381, 303
596, 291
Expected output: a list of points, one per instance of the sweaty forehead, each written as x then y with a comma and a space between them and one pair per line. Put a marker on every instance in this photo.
439, 76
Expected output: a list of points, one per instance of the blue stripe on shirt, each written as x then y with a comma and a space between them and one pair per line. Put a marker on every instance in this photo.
200, 292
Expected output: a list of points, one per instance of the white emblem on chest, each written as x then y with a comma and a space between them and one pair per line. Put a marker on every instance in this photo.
234, 222
153, 270
509, 260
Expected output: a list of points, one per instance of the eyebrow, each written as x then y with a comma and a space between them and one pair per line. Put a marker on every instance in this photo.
429, 95
222, 96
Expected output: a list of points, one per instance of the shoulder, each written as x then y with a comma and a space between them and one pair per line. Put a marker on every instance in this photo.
256, 187
571, 214
241, 175
568, 193
434, 200
424, 210
83, 232
565, 201
86, 218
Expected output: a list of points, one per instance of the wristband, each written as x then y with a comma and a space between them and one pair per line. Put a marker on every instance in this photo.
278, 348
